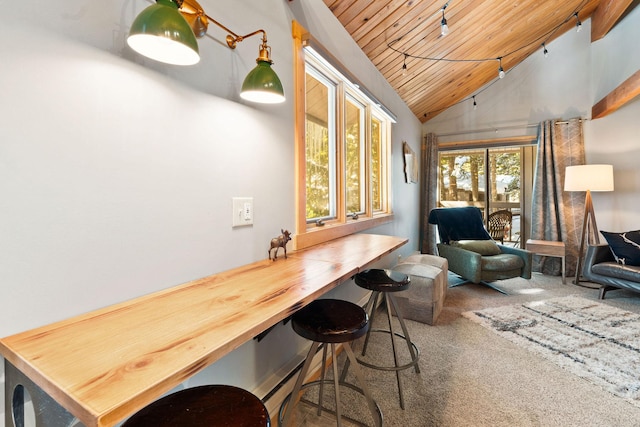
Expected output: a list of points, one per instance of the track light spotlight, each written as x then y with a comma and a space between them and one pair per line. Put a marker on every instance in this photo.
578, 23
444, 28
404, 65
475, 104
545, 51
500, 69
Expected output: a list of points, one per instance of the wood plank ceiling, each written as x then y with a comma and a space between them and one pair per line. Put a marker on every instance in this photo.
460, 64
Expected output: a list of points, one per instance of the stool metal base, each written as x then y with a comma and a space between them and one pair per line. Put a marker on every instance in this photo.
413, 350
407, 365
321, 408
288, 405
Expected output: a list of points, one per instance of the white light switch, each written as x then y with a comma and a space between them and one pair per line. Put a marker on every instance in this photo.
242, 211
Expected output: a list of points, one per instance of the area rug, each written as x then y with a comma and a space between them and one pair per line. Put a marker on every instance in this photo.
595, 341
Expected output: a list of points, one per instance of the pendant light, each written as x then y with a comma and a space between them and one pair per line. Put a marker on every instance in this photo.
262, 83
160, 32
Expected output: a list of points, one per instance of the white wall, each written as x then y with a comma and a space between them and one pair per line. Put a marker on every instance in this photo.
615, 139
117, 173
566, 84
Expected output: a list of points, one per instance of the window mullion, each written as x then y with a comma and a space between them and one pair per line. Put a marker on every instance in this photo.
368, 190
341, 194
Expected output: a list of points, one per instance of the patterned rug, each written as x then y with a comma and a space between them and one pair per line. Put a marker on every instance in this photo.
592, 340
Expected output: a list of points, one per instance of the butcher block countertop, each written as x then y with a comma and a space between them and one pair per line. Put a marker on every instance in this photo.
105, 365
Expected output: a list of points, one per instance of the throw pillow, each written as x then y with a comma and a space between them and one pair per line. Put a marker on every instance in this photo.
625, 246
482, 247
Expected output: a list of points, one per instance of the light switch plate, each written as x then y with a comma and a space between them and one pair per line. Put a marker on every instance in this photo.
242, 211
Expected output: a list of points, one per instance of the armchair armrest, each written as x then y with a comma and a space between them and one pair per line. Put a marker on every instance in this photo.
465, 263
527, 257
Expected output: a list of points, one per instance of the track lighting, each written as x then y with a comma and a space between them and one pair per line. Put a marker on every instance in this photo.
545, 51
167, 31
444, 28
578, 23
500, 70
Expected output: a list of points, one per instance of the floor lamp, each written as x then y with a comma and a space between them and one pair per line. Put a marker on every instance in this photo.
588, 178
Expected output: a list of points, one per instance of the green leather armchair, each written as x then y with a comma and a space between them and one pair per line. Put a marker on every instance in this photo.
471, 252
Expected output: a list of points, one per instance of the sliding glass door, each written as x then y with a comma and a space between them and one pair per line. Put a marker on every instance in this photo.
492, 180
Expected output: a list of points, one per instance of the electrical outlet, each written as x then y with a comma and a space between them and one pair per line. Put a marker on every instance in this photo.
242, 211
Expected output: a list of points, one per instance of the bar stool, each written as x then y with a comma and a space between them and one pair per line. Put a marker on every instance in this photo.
386, 282
329, 321
208, 405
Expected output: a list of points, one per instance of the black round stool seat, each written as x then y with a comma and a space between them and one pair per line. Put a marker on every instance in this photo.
204, 406
379, 280
330, 321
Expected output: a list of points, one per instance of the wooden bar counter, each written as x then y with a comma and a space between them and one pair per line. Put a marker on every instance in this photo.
105, 365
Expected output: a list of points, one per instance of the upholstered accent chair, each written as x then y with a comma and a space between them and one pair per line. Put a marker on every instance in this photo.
472, 253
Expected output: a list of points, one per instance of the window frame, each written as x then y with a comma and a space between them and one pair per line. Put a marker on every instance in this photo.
344, 223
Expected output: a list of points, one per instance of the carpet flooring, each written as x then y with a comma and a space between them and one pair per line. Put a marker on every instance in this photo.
593, 340
471, 376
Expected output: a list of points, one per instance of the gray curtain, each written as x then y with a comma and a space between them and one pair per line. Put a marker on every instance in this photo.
428, 192
555, 214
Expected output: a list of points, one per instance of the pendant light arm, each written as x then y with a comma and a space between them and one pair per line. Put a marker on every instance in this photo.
237, 39
265, 50
199, 20
232, 38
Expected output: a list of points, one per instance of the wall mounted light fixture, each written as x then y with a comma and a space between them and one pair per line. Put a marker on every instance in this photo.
167, 32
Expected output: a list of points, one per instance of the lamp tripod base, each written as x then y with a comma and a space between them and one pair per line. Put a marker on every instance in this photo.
589, 227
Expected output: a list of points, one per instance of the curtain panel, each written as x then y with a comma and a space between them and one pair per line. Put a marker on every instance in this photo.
556, 214
428, 192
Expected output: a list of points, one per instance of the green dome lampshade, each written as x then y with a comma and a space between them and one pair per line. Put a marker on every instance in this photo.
160, 32
262, 85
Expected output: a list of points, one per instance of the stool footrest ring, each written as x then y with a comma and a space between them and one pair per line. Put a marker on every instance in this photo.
413, 362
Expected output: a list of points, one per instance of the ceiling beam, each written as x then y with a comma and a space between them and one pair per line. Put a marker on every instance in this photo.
605, 17
615, 99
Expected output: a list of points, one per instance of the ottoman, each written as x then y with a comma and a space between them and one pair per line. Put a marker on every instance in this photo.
423, 300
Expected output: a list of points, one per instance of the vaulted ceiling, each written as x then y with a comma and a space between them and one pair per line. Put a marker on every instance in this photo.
442, 71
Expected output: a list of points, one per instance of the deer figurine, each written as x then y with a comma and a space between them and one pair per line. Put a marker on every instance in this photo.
280, 242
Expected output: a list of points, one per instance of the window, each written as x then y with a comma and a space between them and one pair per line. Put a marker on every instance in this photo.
342, 153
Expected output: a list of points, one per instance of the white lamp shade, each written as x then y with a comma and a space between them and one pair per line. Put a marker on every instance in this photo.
588, 177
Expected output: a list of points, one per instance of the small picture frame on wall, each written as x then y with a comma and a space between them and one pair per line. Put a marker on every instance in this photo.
410, 164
